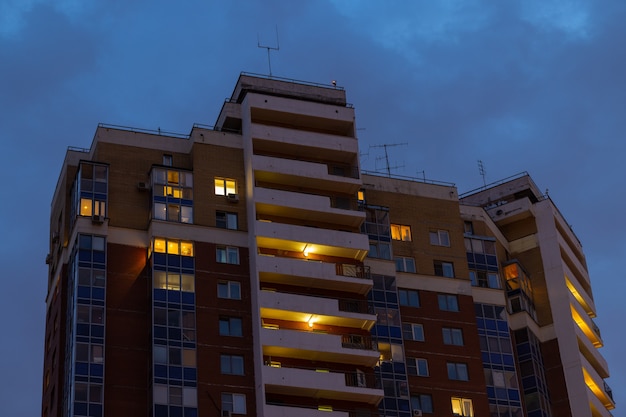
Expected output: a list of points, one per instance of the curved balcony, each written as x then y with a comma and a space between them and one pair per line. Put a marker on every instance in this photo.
324, 275
313, 346
351, 386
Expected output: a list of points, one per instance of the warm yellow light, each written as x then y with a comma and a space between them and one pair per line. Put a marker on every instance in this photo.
305, 251
311, 321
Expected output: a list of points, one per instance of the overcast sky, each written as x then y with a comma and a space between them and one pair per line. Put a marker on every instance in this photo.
537, 86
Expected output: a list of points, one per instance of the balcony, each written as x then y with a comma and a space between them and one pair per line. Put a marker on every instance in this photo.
324, 275
350, 386
307, 207
586, 324
291, 411
313, 346
313, 175
319, 310
597, 386
326, 242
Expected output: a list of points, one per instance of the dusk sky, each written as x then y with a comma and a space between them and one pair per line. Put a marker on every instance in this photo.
537, 86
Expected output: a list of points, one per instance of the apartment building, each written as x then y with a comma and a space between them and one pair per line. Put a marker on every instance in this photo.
251, 268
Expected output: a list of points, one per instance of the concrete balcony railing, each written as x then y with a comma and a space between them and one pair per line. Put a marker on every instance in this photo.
271, 410
591, 354
324, 275
305, 174
314, 346
352, 386
307, 207
320, 310
326, 242
596, 385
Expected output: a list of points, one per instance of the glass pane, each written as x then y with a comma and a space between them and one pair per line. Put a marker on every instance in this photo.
159, 245
173, 282
239, 403
186, 214
101, 173
186, 248
235, 291
219, 186
188, 283
173, 211
160, 279
231, 188
97, 354
85, 207
222, 290
172, 177
173, 248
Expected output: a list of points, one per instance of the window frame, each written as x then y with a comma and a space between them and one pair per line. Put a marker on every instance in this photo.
231, 361
454, 335
409, 329
399, 232
224, 189
415, 366
407, 264
229, 404
228, 252
418, 402
408, 293
448, 302
439, 237
462, 407
228, 320
229, 290
457, 371
443, 269
226, 222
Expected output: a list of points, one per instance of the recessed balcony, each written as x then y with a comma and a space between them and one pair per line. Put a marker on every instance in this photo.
308, 207
311, 274
287, 411
330, 385
305, 239
305, 174
313, 346
319, 310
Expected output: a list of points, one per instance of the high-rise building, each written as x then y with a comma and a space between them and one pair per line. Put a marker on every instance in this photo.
252, 269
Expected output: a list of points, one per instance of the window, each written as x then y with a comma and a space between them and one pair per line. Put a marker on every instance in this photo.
236, 403
484, 279
404, 264
439, 238
448, 302
452, 336
417, 366
229, 289
457, 371
401, 232
468, 228
225, 186
226, 220
227, 255
231, 326
422, 402
167, 160
380, 250
89, 192
409, 298
412, 331
231, 364
172, 194
462, 407
444, 269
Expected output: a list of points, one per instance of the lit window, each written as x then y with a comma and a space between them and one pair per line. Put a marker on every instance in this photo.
226, 220
439, 238
231, 326
172, 195
186, 248
231, 364
361, 196
409, 298
444, 269
457, 371
229, 289
225, 186
462, 407
412, 331
159, 245
227, 255
423, 402
448, 302
404, 264
401, 232
236, 403
417, 366
173, 247
89, 193
452, 336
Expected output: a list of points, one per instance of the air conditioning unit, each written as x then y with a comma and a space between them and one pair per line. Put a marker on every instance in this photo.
417, 412
227, 413
233, 198
143, 186
97, 219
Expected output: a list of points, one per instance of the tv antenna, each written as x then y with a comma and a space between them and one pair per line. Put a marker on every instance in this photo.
482, 172
385, 146
269, 48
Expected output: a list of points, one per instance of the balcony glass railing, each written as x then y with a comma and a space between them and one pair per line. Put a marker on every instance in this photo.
355, 271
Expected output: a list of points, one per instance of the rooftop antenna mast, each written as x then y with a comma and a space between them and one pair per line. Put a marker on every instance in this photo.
269, 48
482, 172
385, 146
